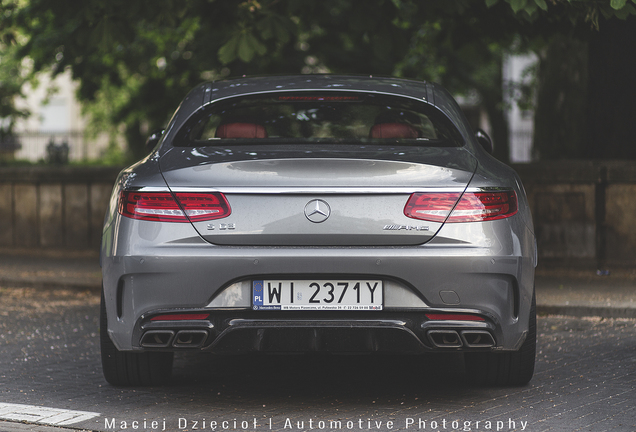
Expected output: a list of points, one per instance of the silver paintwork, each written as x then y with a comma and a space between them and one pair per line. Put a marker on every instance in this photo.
160, 267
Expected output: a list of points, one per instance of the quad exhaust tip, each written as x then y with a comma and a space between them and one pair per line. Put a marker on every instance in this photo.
190, 339
467, 338
168, 338
157, 338
445, 338
477, 339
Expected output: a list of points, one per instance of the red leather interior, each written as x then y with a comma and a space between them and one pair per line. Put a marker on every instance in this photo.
240, 130
393, 130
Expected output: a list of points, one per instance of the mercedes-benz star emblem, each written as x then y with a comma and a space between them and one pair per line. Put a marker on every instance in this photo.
317, 211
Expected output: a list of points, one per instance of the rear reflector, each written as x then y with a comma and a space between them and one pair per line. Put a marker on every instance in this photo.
180, 317
473, 206
454, 317
162, 206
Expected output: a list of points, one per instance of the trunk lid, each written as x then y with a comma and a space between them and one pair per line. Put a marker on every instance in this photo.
317, 201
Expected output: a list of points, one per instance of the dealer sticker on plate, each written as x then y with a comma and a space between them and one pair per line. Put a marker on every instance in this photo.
317, 295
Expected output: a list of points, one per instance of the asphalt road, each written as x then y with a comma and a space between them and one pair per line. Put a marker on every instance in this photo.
50, 374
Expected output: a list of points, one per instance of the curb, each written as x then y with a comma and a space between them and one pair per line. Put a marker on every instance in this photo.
50, 285
587, 311
9, 426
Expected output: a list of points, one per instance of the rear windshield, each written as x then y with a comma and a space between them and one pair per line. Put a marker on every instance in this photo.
310, 117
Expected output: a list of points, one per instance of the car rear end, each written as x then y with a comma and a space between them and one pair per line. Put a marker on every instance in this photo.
255, 242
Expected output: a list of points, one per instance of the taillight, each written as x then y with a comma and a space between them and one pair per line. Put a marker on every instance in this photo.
162, 206
473, 206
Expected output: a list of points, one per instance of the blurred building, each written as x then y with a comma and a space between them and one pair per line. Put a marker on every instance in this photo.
56, 117
517, 74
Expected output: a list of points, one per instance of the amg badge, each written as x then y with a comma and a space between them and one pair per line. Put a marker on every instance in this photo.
405, 227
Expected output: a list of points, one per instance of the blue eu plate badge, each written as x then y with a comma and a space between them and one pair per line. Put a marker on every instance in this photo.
258, 297
257, 293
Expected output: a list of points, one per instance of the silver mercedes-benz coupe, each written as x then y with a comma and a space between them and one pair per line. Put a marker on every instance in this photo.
320, 213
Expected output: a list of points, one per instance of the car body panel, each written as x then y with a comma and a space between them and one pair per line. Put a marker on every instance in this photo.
365, 197
318, 171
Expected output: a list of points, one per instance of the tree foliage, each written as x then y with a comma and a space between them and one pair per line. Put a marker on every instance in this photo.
135, 59
12, 78
577, 10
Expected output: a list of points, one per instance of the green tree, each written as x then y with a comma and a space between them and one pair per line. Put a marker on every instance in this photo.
561, 99
136, 59
588, 61
466, 56
611, 88
12, 78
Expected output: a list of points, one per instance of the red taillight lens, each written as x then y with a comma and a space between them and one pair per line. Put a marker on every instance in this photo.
162, 206
473, 206
156, 206
204, 206
434, 207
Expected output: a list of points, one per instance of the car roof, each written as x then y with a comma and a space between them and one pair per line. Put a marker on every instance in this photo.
249, 85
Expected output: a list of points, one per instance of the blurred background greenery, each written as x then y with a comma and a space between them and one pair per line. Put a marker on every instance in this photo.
134, 60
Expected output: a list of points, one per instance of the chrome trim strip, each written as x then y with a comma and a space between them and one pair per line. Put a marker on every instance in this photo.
317, 190
149, 189
300, 190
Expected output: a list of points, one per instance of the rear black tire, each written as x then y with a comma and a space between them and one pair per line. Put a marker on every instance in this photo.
123, 368
513, 368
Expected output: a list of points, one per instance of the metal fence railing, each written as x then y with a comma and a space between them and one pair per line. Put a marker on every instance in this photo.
34, 144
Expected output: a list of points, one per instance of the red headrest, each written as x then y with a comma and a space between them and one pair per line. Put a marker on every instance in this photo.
393, 130
240, 130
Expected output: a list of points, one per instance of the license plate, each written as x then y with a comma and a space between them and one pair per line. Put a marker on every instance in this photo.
317, 295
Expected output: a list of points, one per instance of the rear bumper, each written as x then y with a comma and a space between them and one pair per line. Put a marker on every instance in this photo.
482, 268
448, 279
242, 332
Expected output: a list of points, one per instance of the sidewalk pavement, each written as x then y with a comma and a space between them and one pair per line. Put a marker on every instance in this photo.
50, 269
559, 291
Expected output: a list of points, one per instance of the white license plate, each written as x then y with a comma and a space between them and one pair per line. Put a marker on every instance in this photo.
317, 295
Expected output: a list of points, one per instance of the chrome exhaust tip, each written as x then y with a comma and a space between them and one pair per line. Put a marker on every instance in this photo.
190, 339
477, 339
445, 338
157, 338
